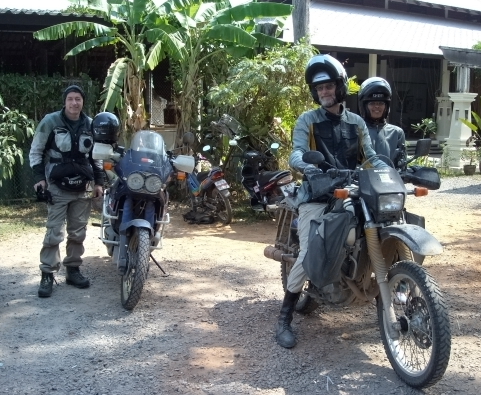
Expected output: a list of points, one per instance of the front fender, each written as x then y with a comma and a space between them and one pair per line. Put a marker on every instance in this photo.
137, 223
418, 240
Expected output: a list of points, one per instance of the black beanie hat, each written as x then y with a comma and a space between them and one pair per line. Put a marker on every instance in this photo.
73, 88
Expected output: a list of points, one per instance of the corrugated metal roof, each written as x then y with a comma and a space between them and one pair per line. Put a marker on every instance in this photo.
41, 12
383, 31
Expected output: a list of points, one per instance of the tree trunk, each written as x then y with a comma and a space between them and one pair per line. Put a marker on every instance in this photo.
300, 20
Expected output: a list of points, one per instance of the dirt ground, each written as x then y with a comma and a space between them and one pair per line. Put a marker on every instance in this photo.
208, 327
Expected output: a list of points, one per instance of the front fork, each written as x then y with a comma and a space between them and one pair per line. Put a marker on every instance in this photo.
380, 270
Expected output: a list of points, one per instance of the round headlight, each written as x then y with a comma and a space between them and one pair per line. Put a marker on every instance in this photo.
153, 184
135, 181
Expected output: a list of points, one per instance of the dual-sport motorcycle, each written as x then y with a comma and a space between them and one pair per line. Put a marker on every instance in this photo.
134, 212
363, 249
259, 173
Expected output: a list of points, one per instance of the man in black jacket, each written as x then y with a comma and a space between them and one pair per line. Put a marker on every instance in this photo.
62, 164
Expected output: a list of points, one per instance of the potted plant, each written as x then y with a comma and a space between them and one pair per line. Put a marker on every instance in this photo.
427, 127
472, 156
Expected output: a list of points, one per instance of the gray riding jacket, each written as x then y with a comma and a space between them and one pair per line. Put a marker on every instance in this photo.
53, 140
343, 139
386, 138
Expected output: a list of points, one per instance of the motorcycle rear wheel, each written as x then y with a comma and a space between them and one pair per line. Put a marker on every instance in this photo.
132, 282
224, 209
306, 304
421, 354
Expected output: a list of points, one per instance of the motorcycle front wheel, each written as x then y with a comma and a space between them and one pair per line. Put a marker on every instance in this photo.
420, 355
132, 282
223, 207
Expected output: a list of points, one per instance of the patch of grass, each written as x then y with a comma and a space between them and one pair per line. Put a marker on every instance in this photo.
19, 218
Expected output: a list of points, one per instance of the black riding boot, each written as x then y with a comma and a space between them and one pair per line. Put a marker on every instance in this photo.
75, 278
46, 283
284, 335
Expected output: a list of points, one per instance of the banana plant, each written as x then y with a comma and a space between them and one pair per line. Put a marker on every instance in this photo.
186, 31
234, 28
141, 31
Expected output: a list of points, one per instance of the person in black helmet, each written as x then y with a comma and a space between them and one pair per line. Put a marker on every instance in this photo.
374, 104
62, 164
342, 137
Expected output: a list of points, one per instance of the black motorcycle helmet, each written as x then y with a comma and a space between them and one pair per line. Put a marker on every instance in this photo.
325, 68
374, 89
105, 128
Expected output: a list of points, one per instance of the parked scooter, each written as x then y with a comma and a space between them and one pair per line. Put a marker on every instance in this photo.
134, 212
262, 184
209, 195
363, 249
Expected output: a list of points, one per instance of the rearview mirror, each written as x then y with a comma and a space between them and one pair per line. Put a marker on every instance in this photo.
275, 147
188, 138
422, 147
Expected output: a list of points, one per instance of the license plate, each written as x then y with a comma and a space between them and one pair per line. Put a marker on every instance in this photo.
288, 189
221, 185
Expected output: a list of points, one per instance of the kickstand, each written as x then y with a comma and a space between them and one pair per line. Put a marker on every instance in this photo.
160, 267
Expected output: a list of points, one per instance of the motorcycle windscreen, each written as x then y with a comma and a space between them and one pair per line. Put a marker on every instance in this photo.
147, 152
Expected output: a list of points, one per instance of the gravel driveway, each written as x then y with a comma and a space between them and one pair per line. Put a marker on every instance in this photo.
208, 327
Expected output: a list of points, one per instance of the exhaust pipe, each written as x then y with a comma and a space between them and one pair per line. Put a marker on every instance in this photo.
278, 255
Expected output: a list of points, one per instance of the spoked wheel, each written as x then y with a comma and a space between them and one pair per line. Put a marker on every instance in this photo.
132, 282
224, 209
420, 355
306, 304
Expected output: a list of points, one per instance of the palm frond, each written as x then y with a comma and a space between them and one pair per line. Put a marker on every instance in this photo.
171, 44
231, 34
114, 83
80, 28
89, 44
252, 11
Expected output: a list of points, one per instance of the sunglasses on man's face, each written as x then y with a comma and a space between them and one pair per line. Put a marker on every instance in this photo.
329, 86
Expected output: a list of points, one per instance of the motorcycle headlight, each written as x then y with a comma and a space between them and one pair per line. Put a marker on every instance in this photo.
135, 181
391, 203
153, 183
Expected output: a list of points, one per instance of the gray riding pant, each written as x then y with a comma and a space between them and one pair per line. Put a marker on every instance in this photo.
307, 211
73, 210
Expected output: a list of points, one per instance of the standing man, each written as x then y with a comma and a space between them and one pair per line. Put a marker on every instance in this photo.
342, 137
374, 105
62, 164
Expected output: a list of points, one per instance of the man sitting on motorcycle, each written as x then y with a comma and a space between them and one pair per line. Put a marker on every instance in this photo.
343, 138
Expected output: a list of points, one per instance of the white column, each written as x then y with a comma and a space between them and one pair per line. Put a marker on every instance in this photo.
383, 69
372, 71
459, 132
443, 118
445, 75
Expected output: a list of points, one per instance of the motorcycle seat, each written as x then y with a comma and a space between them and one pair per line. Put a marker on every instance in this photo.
268, 176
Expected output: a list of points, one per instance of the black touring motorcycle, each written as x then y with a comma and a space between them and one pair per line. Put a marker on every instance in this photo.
366, 247
134, 212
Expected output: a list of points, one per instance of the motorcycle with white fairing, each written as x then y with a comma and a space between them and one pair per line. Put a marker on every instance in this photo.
135, 206
363, 249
